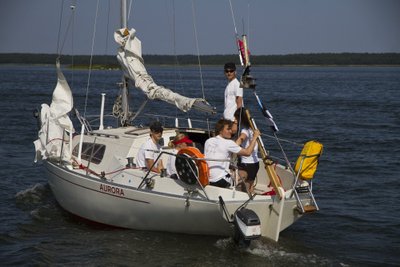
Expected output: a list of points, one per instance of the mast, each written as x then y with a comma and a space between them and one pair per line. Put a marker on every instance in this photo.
124, 87
123, 14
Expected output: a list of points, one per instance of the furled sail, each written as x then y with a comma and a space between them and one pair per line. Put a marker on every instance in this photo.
130, 58
54, 122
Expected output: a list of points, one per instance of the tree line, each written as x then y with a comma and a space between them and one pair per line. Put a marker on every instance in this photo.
108, 61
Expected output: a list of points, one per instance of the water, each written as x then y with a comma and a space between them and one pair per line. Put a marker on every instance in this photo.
354, 112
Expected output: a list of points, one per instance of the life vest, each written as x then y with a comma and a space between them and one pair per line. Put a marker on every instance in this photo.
308, 160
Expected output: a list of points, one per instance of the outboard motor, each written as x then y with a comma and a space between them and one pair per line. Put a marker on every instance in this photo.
247, 226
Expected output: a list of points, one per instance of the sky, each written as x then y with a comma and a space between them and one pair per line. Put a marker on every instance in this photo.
274, 27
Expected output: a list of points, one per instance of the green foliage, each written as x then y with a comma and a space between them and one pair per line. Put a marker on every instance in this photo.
106, 61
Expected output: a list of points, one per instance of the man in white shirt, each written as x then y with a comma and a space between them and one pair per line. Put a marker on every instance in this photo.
150, 150
221, 148
233, 92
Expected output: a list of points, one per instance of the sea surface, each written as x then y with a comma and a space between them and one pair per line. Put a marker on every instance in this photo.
353, 111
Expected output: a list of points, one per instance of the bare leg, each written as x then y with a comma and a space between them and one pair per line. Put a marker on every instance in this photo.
242, 183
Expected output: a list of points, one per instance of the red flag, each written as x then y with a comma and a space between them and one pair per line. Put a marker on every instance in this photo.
242, 52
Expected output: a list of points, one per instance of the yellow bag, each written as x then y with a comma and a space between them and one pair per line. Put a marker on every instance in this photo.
308, 160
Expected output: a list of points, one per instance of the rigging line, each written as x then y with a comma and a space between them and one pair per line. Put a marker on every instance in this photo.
106, 60
59, 29
233, 19
197, 48
107, 27
176, 62
129, 9
282, 140
178, 81
73, 6
91, 57
236, 33
248, 24
198, 58
284, 154
71, 18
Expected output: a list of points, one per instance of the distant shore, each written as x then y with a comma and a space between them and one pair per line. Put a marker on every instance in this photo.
110, 62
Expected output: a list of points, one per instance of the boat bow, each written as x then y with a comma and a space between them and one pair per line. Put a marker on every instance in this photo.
54, 121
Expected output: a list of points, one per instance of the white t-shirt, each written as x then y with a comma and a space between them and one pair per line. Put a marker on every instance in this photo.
171, 163
253, 158
221, 149
144, 154
232, 91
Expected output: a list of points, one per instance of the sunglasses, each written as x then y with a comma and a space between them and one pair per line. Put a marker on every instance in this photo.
229, 71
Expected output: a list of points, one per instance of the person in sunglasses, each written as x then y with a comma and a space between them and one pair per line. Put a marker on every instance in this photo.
233, 92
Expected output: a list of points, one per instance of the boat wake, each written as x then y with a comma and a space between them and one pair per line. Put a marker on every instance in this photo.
33, 195
36, 199
274, 253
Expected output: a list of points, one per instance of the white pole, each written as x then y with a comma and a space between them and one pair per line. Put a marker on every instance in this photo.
101, 127
123, 14
70, 139
189, 123
176, 123
80, 144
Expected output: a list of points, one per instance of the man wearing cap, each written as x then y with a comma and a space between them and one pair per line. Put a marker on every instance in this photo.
150, 150
180, 141
233, 92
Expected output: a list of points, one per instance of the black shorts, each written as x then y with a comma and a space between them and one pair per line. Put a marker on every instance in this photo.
250, 168
221, 183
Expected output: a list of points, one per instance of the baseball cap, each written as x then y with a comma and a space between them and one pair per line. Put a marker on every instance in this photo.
156, 127
230, 66
183, 140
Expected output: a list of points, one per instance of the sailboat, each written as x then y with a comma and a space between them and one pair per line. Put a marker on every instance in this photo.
92, 173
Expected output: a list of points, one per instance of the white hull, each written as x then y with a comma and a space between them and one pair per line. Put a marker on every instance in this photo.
117, 199
135, 209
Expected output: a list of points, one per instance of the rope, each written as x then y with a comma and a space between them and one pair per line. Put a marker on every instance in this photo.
70, 22
284, 154
72, 45
198, 58
248, 23
59, 29
178, 74
233, 18
282, 140
67, 30
108, 25
197, 48
129, 9
91, 57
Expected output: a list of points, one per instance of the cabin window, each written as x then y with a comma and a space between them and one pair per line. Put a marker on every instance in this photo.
90, 152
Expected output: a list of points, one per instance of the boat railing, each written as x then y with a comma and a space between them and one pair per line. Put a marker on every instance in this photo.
92, 122
147, 179
64, 142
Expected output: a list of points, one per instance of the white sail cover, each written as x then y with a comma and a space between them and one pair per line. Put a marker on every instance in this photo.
54, 120
130, 58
